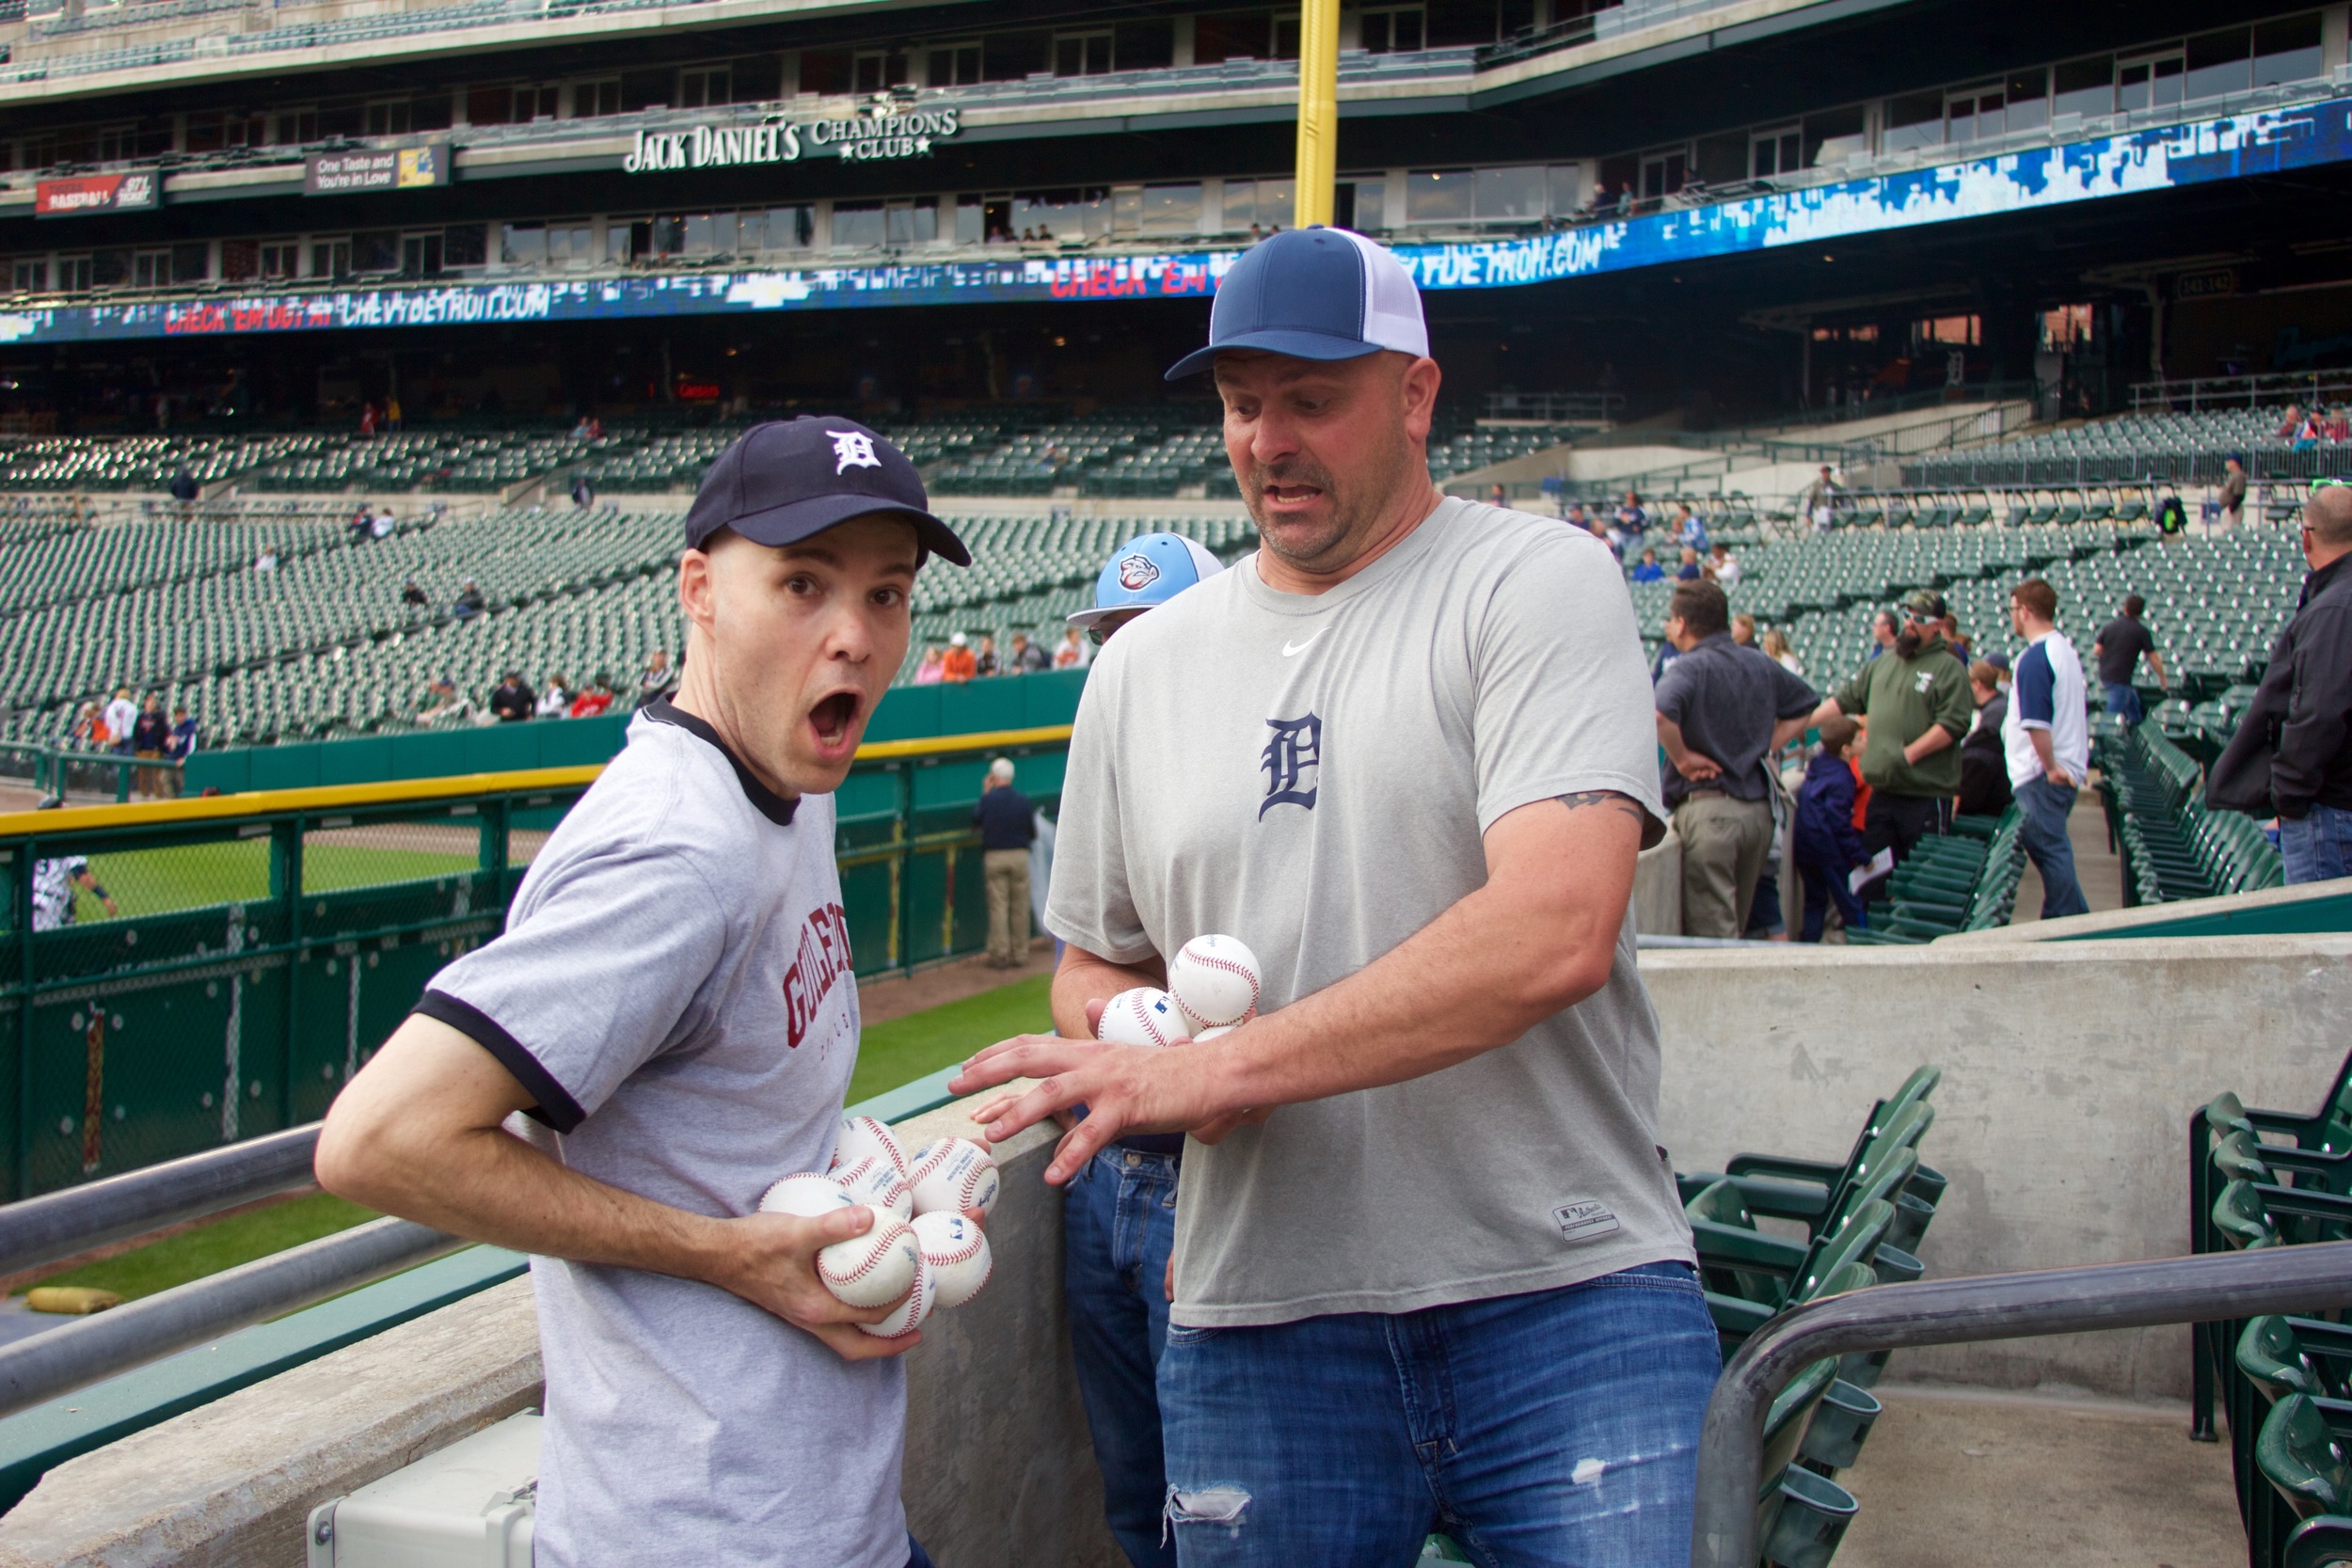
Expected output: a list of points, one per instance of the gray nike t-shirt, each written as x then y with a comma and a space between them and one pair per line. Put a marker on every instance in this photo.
674, 986
1312, 774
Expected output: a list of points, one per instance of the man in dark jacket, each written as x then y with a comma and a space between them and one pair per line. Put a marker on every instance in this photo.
1007, 824
2293, 751
511, 700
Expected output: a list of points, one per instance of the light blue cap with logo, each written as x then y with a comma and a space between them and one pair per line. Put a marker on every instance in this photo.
1148, 570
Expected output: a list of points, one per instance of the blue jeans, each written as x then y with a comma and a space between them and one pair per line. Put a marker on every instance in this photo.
1538, 1430
2044, 807
1824, 884
916, 1557
1118, 1225
2123, 701
2318, 847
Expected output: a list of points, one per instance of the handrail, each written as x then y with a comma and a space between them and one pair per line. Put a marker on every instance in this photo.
214, 808
2209, 1287
58, 1225
71, 1355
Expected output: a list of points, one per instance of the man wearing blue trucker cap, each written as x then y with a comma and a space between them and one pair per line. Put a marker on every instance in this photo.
671, 1008
1430, 1268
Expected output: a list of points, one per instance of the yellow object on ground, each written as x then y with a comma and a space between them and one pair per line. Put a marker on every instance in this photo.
72, 1299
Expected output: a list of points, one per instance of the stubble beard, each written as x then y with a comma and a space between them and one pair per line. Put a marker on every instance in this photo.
1355, 517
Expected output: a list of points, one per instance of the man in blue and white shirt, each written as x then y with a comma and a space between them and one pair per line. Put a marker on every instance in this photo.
2046, 736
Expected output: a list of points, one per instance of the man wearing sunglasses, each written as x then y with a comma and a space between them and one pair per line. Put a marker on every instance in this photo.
2293, 751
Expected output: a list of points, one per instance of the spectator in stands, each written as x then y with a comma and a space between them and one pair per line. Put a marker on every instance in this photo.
361, 521
366, 419
469, 601
1722, 711
1497, 496
1912, 700
2337, 426
88, 732
1632, 520
2119, 646
1690, 529
583, 493
1883, 630
2233, 498
1076, 652
1007, 824
511, 700
928, 671
412, 596
385, 524
1956, 640
59, 883
656, 678
150, 739
2291, 423
391, 412
1817, 503
183, 487
957, 665
1690, 570
1775, 644
1984, 755
121, 713
1648, 570
595, 699
445, 704
555, 699
2046, 734
2293, 751
1028, 656
183, 743
1743, 630
985, 665
267, 561
1722, 565
1828, 849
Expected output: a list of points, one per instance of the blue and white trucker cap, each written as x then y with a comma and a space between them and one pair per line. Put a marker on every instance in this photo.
1149, 569
1313, 293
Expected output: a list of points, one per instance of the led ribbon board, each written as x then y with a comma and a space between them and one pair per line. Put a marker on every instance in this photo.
2264, 142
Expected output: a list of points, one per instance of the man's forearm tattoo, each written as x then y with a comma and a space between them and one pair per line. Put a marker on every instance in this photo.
1583, 797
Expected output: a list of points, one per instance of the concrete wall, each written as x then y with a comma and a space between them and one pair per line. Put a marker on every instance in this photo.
999, 1471
2070, 1073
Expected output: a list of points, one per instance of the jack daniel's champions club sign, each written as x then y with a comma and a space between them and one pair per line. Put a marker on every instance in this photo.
859, 140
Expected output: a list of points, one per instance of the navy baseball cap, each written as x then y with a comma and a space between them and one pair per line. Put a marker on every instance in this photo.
784, 481
1313, 293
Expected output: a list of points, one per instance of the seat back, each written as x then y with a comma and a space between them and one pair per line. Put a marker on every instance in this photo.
1853, 1242
2238, 1215
2268, 1354
1916, 1087
2298, 1451
2236, 1158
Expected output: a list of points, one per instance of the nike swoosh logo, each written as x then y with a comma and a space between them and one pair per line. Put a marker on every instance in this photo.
1292, 650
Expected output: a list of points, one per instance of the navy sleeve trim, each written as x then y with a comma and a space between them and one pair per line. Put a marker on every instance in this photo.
556, 1107
2036, 686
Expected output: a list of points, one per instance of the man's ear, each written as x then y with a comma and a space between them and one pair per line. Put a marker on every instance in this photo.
697, 592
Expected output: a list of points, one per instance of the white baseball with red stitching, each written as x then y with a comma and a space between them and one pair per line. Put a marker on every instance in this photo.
956, 1255
954, 1176
877, 1185
1144, 1016
808, 1195
875, 1269
863, 1138
921, 1298
1216, 980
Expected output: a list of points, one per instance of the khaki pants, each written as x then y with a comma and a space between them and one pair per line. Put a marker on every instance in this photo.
1724, 843
1007, 875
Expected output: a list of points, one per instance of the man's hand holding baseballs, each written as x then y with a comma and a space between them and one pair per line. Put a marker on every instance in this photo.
771, 1261
1124, 1088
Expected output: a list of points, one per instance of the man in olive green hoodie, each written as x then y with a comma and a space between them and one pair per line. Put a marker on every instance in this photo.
1914, 699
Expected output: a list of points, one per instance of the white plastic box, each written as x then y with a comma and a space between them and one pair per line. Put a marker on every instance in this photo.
468, 1506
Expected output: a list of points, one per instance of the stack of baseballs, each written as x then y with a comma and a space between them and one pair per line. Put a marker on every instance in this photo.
924, 1250
1211, 991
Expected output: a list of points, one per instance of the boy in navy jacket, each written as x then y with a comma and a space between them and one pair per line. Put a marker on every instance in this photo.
1827, 844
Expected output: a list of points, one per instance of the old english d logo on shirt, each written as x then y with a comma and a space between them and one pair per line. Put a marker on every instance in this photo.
823, 958
1292, 760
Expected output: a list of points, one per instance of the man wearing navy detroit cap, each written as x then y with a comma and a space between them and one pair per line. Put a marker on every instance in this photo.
1430, 1272
671, 1008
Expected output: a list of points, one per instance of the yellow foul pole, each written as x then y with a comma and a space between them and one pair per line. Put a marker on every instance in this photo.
1318, 109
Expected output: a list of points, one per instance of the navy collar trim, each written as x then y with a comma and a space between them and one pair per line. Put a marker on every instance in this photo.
774, 807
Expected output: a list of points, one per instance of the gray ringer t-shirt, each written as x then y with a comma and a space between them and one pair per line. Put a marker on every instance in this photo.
1312, 774
674, 986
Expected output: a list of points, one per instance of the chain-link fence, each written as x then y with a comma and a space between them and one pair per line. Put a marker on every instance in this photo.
191, 973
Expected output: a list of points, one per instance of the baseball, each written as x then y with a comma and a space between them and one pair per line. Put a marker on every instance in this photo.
875, 1269
862, 1138
1142, 1017
954, 1176
1218, 1032
955, 1252
809, 1197
1214, 979
876, 1183
910, 1312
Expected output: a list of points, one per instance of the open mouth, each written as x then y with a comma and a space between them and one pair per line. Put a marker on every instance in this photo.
834, 717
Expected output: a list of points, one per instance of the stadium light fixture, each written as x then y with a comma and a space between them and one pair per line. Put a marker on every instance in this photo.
1318, 111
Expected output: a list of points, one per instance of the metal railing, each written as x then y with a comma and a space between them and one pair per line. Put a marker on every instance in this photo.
58, 1224
2194, 394
1970, 1311
63, 771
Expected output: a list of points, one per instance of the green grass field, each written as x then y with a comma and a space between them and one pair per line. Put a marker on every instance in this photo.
889, 1054
195, 876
